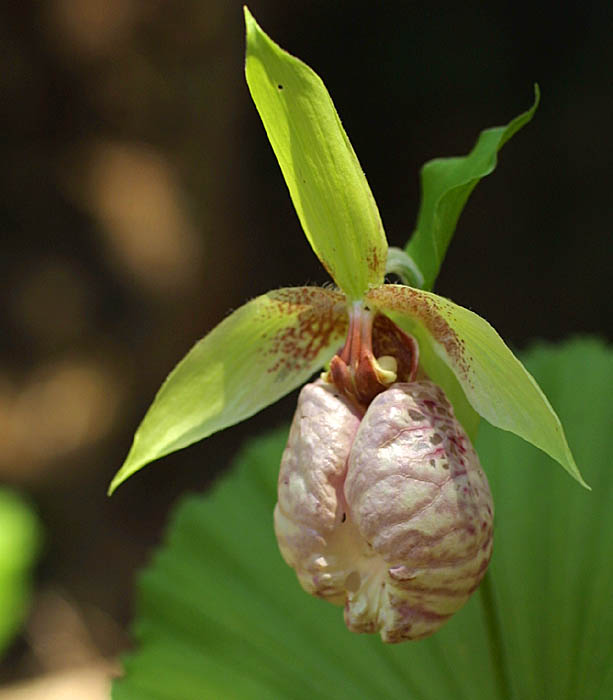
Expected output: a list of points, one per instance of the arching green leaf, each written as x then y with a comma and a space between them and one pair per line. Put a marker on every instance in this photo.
251, 359
326, 183
446, 184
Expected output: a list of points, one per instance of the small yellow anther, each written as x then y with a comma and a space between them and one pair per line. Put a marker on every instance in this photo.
386, 369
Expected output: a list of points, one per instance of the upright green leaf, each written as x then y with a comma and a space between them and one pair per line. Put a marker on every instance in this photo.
446, 184
494, 381
326, 183
251, 359
221, 616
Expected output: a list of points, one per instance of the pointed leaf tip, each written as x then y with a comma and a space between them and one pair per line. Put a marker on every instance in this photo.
330, 193
249, 19
255, 356
446, 185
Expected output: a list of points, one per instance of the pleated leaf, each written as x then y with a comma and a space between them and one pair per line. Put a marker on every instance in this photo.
221, 616
446, 185
326, 183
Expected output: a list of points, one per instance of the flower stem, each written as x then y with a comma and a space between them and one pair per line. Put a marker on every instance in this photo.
494, 633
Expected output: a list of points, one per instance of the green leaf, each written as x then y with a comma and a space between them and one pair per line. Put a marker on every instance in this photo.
495, 383
251, 359
446, 184
20, 537
553, 560
326, 183
220, 614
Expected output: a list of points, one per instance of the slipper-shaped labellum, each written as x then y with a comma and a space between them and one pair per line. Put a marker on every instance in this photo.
384, 508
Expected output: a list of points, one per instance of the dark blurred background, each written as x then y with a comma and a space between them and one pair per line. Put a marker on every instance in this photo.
140, 202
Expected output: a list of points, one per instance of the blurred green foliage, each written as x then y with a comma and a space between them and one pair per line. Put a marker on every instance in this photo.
20, 539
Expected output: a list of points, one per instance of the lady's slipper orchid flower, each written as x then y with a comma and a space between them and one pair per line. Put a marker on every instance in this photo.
383, 505
402, 397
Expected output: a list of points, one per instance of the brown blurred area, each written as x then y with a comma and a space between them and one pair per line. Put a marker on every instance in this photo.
140, 202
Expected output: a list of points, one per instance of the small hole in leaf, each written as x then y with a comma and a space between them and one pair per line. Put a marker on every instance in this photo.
279, 86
